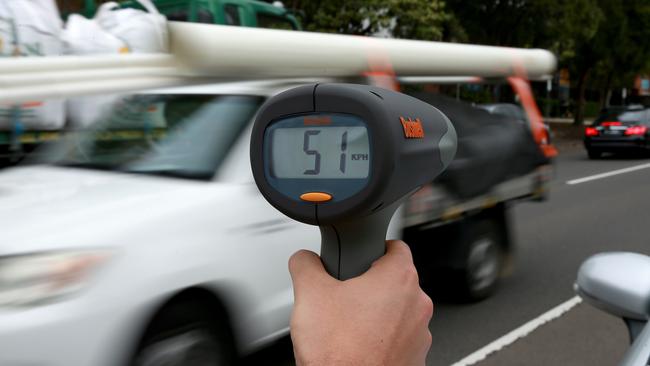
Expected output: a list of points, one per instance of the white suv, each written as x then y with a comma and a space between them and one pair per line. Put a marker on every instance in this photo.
144, 241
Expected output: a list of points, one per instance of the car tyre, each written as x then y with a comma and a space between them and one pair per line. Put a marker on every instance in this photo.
483, 261
186, 333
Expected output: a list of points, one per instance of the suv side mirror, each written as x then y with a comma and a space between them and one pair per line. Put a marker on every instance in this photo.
618, 283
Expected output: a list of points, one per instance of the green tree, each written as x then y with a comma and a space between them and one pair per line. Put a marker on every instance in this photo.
572, 26
618, 49
413, 19
602, 42
491, 22
551, 24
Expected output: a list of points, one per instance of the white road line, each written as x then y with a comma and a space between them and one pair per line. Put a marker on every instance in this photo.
608, 174
519, 333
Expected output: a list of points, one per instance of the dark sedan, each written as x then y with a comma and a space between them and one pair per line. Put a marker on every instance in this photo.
619, 130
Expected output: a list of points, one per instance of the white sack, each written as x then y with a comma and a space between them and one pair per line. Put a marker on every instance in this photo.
30, 28
143, 32
112, 30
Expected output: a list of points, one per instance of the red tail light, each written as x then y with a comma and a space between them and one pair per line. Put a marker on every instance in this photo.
636, 130
612, 123
591, 131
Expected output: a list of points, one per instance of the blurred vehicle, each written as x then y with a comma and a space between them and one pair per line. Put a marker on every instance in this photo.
465, 243
513, 111
618, 129
247, 13
143, 240
506, 109
19, 135
525, 111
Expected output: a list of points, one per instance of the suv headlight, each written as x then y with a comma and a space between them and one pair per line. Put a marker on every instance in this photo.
32, 279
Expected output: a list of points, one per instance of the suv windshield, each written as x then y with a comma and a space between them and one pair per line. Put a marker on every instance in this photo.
184, 136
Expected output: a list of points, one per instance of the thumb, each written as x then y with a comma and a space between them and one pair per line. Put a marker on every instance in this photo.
306, 270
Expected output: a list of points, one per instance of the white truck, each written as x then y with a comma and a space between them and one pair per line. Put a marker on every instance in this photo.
144, 241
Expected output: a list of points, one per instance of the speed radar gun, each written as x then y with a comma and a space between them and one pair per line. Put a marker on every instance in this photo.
344, 157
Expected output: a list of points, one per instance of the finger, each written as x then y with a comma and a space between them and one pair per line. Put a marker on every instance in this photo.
396, 264
397, 254
306, 270
399, 250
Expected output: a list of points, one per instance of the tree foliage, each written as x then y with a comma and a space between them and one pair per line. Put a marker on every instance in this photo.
603, 43
611, 55
413, 19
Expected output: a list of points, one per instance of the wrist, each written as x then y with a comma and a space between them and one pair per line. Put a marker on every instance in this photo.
338, 359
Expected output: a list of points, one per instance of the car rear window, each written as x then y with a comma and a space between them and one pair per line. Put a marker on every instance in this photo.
627, 117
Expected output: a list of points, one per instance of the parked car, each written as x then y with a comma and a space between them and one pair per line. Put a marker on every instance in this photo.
143, 239
618, 129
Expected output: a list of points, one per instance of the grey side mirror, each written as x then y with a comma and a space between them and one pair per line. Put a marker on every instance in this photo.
618, 283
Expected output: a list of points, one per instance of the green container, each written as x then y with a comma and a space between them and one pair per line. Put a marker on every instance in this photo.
247, 13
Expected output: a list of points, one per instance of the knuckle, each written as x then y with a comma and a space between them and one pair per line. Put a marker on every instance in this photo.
428, 338
394, 243
400, 248
411, 275
426, 306
405, 250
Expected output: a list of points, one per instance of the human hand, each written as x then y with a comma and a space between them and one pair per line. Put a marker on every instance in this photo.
379, 318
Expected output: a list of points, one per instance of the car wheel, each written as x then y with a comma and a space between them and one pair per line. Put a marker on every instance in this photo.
186, 334
483, 261
593, 154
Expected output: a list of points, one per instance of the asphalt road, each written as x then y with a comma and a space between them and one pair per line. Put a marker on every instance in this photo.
553, 238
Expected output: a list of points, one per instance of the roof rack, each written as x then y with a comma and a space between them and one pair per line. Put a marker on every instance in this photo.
205, 53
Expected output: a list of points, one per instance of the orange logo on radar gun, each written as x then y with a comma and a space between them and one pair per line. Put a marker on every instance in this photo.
317, 121
412, 129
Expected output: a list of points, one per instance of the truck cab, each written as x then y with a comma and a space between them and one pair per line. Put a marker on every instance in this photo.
246, 13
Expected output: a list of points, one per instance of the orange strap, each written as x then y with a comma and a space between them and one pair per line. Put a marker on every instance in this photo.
380, 69
522, 88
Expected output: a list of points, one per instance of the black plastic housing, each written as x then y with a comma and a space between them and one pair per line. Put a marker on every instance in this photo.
399, 164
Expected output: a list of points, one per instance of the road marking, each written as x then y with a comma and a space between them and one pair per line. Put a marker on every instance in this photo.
608, 174
519, 333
